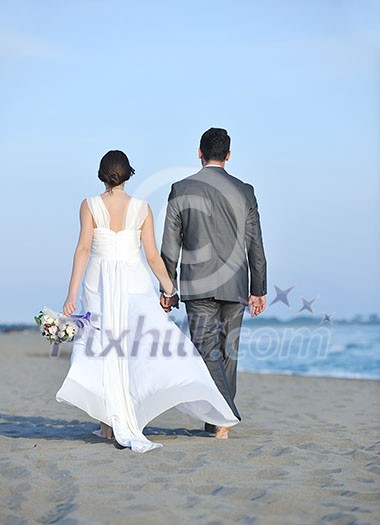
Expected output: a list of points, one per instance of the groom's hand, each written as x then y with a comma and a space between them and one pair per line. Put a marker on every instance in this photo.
164, 303
256, 304
168, 303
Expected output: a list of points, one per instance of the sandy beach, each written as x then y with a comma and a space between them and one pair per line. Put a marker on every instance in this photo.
306, 452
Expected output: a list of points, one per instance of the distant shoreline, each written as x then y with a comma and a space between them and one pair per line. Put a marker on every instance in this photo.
374, 320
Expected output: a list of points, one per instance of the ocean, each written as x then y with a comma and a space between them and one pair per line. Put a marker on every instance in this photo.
328, 350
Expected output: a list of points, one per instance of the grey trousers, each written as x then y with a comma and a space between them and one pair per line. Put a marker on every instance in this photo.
215, 329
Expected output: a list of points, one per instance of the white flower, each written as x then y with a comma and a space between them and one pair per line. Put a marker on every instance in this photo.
62, 327
70, 330
49, 320
53, 329
61, 333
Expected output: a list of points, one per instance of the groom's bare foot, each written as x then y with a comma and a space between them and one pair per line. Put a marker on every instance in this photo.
222, 432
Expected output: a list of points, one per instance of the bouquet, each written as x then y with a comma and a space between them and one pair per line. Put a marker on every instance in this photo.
57, 328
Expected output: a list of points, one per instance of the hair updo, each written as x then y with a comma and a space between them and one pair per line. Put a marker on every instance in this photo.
114, 169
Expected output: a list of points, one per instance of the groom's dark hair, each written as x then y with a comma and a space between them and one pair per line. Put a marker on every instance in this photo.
215, 144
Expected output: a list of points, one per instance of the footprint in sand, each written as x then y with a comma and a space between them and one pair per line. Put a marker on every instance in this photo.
64, 492
15, 472
308, 446
365, 480
256, 452
281, 451
326, 471
271, 473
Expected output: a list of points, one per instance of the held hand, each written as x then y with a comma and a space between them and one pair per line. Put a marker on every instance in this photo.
69, 307
164, 302
256, 304
168, 303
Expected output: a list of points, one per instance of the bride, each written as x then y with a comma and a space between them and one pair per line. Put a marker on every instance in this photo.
131, 363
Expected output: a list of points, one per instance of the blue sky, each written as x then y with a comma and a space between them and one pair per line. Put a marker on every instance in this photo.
296, 83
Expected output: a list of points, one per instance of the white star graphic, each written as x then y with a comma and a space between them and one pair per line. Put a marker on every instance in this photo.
307, 304
282, 295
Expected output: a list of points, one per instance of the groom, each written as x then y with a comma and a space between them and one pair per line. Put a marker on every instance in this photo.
213, 217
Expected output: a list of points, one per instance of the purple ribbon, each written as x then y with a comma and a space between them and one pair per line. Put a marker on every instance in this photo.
79, 320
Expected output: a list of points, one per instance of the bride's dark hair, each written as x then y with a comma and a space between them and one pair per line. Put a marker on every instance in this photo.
114, 168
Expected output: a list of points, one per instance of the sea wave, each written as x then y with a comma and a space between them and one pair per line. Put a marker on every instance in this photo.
349, 353
334, 374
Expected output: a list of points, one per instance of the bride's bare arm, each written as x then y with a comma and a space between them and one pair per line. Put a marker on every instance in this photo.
152, 255
81, 255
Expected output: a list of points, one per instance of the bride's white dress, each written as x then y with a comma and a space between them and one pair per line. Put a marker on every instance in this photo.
133, 363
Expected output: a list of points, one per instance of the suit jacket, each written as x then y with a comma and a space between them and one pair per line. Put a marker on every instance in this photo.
213, 218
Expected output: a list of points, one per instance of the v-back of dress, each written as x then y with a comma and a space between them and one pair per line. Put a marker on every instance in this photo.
124, 244
134, 363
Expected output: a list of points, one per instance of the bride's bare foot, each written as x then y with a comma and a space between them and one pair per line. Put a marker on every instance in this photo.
222, 432
105, 431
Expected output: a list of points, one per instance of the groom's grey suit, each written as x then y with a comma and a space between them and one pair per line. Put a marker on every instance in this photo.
213, 217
